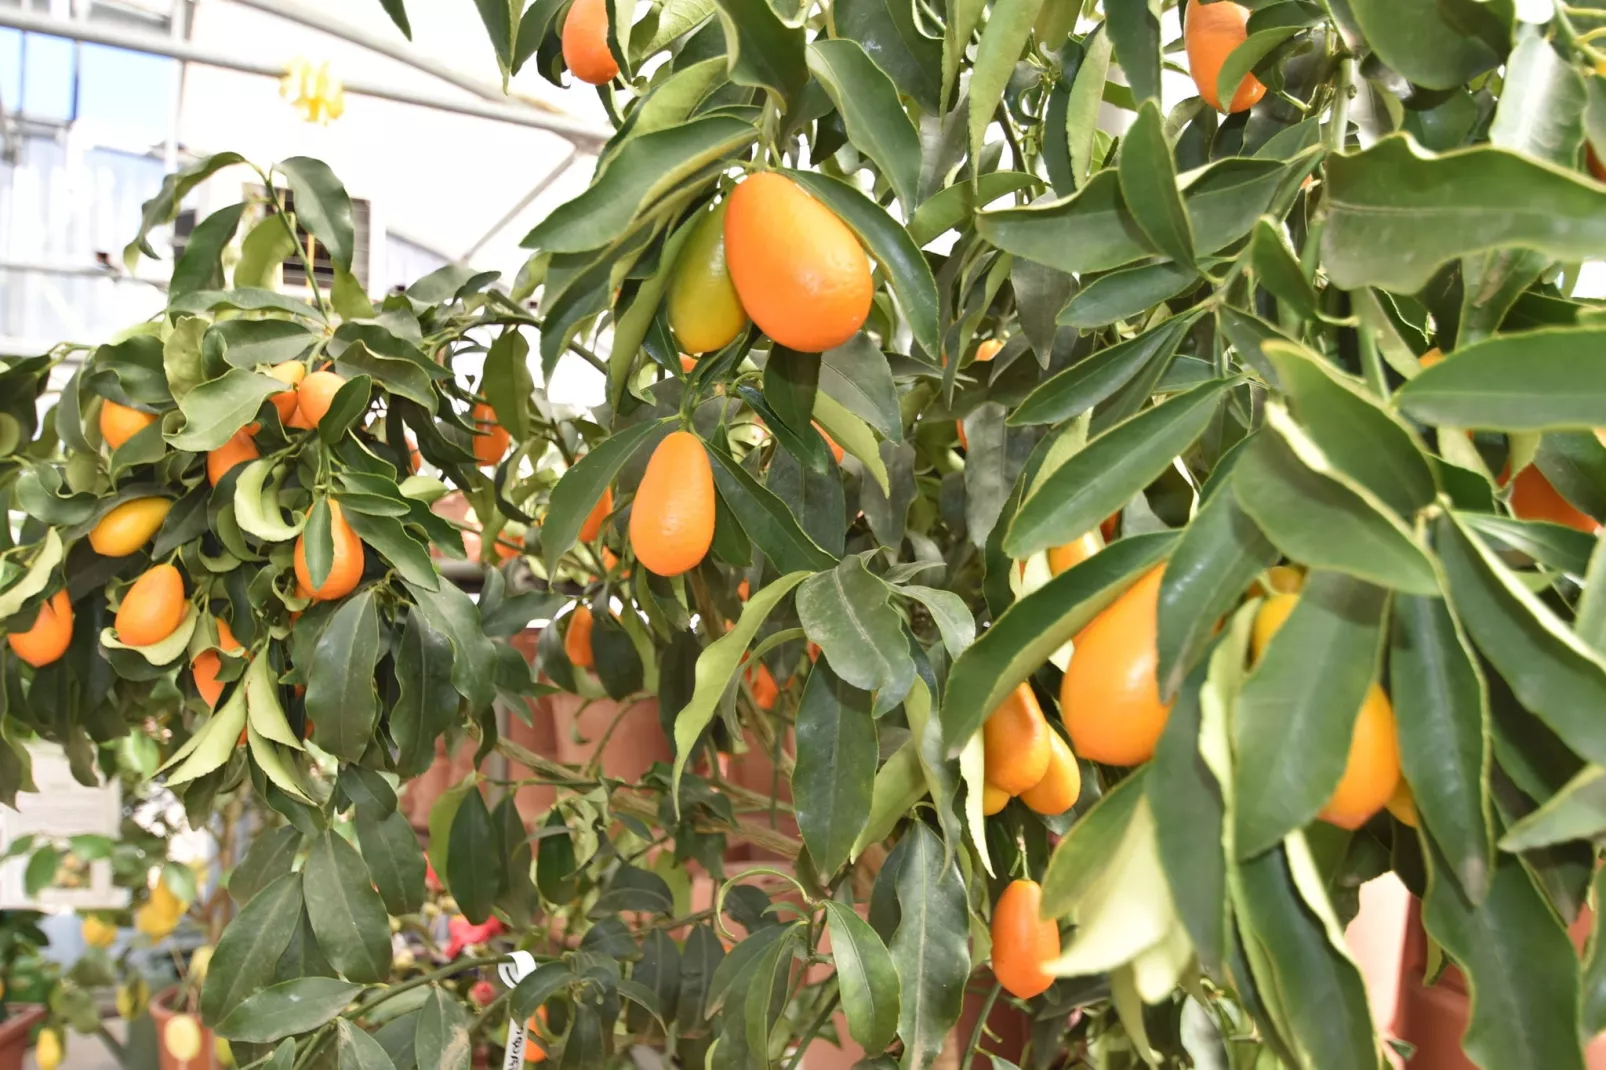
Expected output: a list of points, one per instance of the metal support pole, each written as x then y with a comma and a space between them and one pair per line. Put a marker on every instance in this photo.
584, 136
524, 202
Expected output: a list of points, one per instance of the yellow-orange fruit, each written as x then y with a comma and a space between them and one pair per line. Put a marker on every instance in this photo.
1016, 742
207, 664
291, 372
993, 799
50, 634
1372, 770
704, 311
599, 512
577, 639
687, 363
1023, 943
128, 526
585, 42
988, 350
315, 394
1110, 699
240, 448
152, 608
1534, 498
1211, 32
837, 452
1273, 611
346, 569
964, 439
672, 518
799, 270
1061, 785
765, 691
119, 423
491, 445
1073, 553
1402, 804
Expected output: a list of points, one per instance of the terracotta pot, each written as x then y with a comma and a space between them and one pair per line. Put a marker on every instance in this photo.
635, 744
162, 1013
14, 1034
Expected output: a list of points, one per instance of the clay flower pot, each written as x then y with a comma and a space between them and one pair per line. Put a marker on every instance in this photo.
14, 1034
162, 1012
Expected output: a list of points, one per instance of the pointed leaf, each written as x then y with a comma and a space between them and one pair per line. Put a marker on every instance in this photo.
835, 771
346, 913
930, 950
866, 977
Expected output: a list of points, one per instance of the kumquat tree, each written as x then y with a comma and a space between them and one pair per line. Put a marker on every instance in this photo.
1121, 531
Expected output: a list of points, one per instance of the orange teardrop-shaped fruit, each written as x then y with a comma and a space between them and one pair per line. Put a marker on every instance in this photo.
704, 312
240, 448
119, 423
50, 634
1016, 742
799, 270
599, 512
988, 350
672, 518
1023, 942
346, 569
128, 526
291, 372
207, 664
152, 608
1268, 619
1110, 698
577, 638
1372, 770
1061, 785
490, 446
1073, 553
1211, 32
585, 42
1533, 497
315, 394
993, 799
765, 692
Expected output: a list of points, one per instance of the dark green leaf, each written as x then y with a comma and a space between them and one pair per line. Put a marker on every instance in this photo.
1534, 381
1576, 812
346, 408
340, 686
473, 868
161, 208
249, 343
868, 102
846, 611
766, 518
354, 1048
633, 888
1124, 294
443, 1040
1003, 37
216, 409
1095, 378
1134, 29
583, 484
790, 381
269, 858
201, 266
507, 383
931, 949
321, 206
887, 31
866, 977
1278, 271
427, 702
251, 945
1149, 185
297, 1006
452, 613
764, 51
836, 760
390, 847
407, 554
346, 913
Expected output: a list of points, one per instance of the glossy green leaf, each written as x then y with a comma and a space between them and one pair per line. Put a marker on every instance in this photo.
1095, 378
835, 770
1149, 185
887, 31
1003, 37
251, 945
718, 664
1534, 381
764, 51
201, 266
1219, 555
866, 977
1442, 714
269, 858
297, 1006
357, 1050
1521, 969
390, 847
868, 102
765, 518
930, 949
1593, 1009
501, 19
1576, 812
952, 206
442, 1038
1134, 29
161, 208
507, 383
1087, 97
1109, 470
249, 343
322, 205
846, 610
453, 613
346, 913
645, 169
427, 702
1321, 522
1395, 196
1125, 294
1082, 855
856, 376
1023, 637
340, 685
1278, 271
1550, 670
1417, 39
216, 409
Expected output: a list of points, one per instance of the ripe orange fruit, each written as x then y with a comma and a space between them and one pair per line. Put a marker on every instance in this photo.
1372, 771
1110, 699
1015, 738
291, 372
993, 799
1431, 357
672, 519
491, 446
535, 1026
119, 423
240, 448
599, 512
152, 608
687, 363
765, 691
577, 640
988, 350
704, 311
585, 42
1402, 804
837, 452
1064, 558
1061, 785
207, 663
1211, 32
50, 634
346, 570
128, 526
1273, 611
314, 395
1023, 943
1534, 498
799, 270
